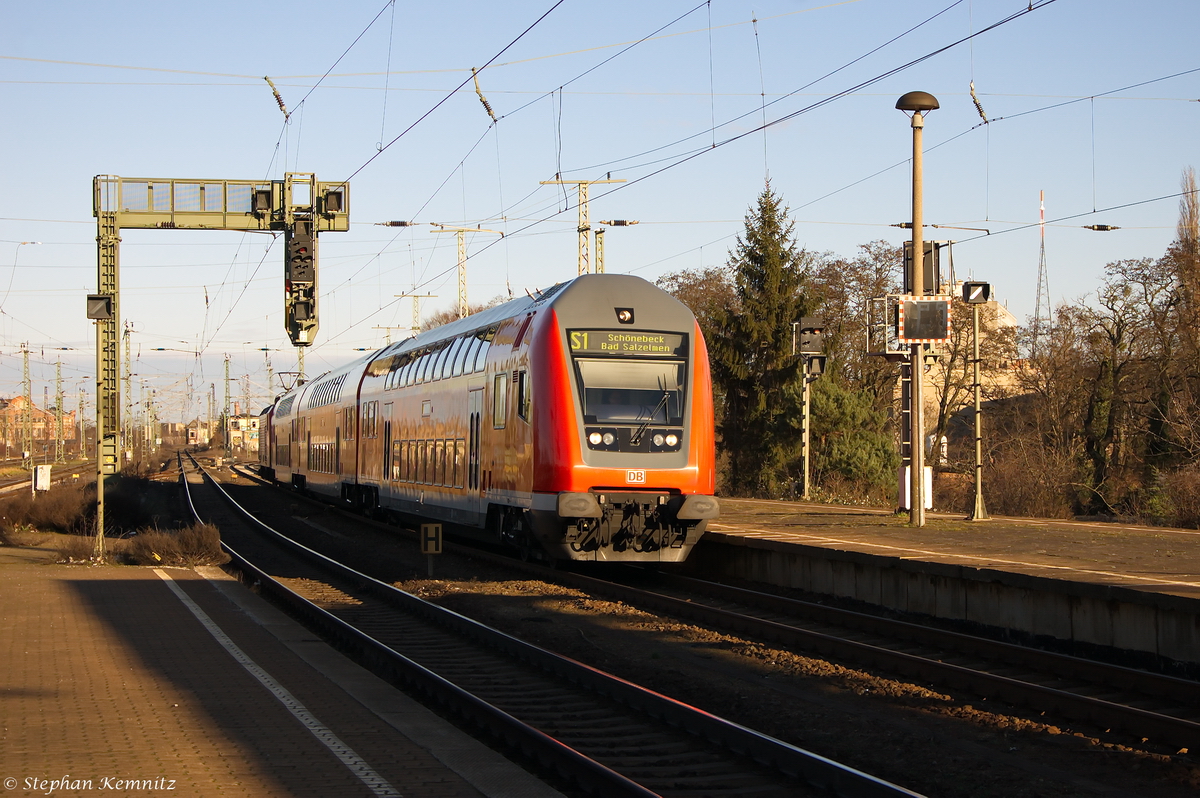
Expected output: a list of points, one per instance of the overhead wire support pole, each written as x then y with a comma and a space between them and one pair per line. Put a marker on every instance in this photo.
225, 410
600, 239
387, 337
26, 412
127, 427
58, 414
585, 226
106, 312
416, 317
461, 233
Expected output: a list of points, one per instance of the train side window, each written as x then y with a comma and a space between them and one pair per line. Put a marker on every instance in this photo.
473, 344
451, 357
523, 395
439, 463
370, 417
412, 461
460, 456
407, 376
485, 343
395, 377
463, 345
499, 400
431, 365
444, 361
435, 365
422, 366
348, 424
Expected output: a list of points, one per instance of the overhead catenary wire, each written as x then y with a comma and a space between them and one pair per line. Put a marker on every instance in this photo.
1033, 6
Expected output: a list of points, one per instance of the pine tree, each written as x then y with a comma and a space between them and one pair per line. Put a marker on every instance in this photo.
751, 351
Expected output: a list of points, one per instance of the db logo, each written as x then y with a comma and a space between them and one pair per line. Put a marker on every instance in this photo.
638, 476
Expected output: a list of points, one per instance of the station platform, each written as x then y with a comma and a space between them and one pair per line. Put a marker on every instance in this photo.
1114, 585
168, 681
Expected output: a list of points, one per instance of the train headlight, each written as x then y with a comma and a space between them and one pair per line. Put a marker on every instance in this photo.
672, 439
609, 439
658, 439
595, 438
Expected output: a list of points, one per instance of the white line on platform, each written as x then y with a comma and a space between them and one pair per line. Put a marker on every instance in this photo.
357, 765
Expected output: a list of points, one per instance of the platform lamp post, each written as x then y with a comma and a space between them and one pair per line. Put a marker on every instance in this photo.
976, 294
917, 103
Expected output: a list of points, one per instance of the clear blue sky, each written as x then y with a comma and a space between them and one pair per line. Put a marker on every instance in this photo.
1092, 101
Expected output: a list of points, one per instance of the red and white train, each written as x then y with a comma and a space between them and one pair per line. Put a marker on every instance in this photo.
576, 423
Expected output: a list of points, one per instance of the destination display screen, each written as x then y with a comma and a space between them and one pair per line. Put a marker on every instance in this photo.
626, 342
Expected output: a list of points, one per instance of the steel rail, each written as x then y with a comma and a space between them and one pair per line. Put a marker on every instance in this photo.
1142, 722
818, 772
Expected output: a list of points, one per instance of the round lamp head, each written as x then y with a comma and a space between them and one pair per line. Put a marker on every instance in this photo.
917, 101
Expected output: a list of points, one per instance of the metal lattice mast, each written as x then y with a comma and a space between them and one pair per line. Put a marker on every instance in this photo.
82, 424
600, 239
58, 413
26, 413
416, 308
1042, 315
461, 232
585, 225
225, 407
127, 427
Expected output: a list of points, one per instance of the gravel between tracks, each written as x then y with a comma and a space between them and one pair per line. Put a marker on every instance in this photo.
936, 743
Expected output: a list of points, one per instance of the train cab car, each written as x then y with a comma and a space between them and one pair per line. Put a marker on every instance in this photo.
266, 443
575, 423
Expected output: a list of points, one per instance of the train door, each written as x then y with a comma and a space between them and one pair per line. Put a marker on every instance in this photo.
474, 446
387, 476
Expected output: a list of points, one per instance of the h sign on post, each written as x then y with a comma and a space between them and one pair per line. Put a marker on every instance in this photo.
431, 538
431, 542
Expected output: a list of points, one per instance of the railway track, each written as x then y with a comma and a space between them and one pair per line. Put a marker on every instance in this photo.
607, 735
1144, 705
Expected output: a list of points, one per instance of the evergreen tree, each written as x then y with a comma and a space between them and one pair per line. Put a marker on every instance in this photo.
853, 449
751, 351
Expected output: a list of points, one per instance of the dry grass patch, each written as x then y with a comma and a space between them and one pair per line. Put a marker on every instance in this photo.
76, 548
67, 508
198, 544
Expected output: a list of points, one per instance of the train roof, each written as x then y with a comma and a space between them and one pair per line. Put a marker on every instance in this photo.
597, 286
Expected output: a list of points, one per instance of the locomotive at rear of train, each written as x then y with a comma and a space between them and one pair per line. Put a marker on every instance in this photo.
576, 424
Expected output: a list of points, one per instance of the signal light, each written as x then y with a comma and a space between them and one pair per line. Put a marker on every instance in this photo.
810, 335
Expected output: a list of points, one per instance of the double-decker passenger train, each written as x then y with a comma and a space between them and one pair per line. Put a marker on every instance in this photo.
575, 423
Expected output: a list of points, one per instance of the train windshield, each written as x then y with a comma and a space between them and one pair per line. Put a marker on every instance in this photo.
627, 391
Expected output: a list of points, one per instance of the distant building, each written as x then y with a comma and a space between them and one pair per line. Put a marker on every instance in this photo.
243, 434
43, 427
197, 433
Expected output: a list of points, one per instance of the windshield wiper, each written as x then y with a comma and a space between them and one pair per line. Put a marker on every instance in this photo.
636, 440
